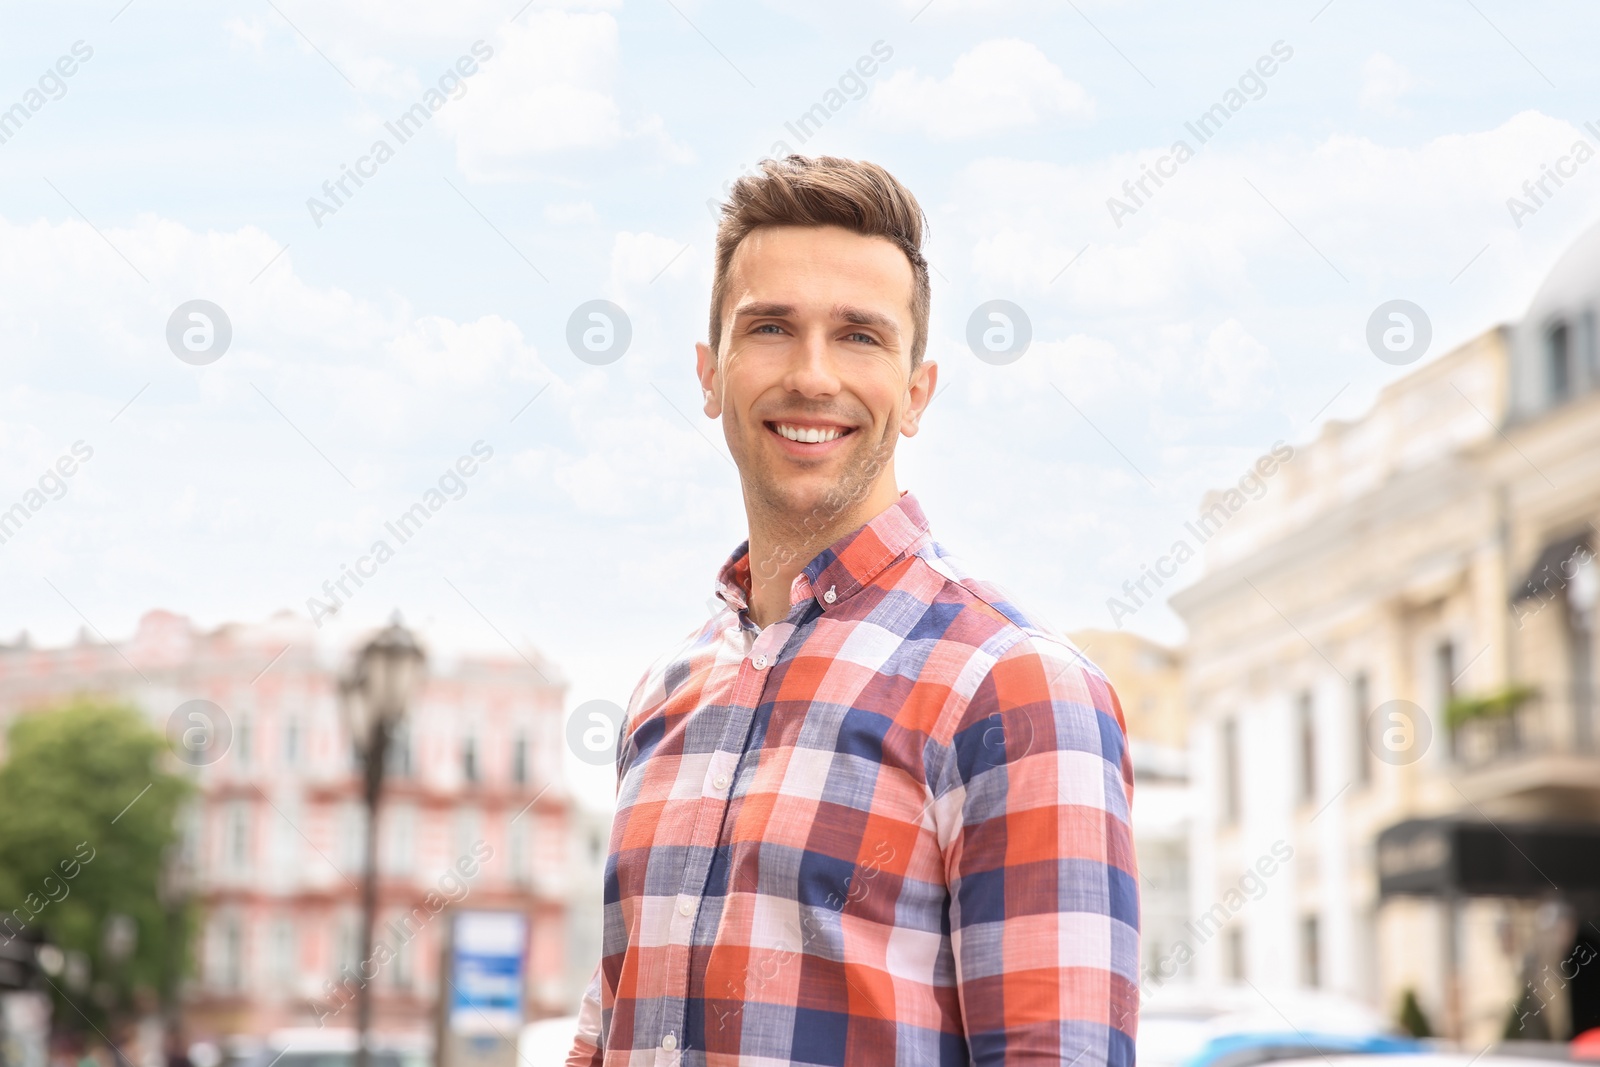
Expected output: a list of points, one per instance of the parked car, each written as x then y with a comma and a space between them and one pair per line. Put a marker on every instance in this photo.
1273, 1046
329, 1048
546, 1042
1178, 1020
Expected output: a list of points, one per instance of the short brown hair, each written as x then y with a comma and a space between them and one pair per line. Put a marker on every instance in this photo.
826, 191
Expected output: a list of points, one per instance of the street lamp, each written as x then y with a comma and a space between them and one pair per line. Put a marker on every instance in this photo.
373, 698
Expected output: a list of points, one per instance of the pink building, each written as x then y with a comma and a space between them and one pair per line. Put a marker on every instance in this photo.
475, 813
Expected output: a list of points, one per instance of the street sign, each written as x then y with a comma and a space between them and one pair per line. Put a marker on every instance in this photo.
486, 968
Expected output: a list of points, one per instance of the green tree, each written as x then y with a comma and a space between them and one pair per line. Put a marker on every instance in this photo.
88, 813
1413, 1020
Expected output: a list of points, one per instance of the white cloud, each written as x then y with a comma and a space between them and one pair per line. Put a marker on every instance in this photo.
1234, 367
251, 33
547, 90
1383, 82
641, 259
999, 85
567, 213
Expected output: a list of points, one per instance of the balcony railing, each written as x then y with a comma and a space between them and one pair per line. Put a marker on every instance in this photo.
1558, 721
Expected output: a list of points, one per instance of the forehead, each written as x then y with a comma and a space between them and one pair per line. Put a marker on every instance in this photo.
819, 266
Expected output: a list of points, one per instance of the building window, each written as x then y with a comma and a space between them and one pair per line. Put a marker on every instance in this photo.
398, 759
519, 760
1306, 719
517, 851
469, 758
1235, 954
1590, 351
468, 826
291, 742
1230, 772
1444, 673
1558, 361
400, 972
232, 969
347, 944
1310, 952
353, 837
1360, 708
241, 742
399, 826
284, 961
238, 837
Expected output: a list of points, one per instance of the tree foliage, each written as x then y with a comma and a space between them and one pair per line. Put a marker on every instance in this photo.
88, 814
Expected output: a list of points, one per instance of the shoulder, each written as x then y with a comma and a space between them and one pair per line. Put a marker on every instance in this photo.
1012, 654
682, 663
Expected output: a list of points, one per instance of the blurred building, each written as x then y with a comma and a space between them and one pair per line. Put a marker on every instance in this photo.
1148, 679
475, 813
1397, 639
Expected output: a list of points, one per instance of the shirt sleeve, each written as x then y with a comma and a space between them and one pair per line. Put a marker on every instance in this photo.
588, 1049
1034, 790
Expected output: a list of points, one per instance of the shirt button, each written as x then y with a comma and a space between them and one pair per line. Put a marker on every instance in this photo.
720, 782
830, 596
685, 907
759, 663
669, 1042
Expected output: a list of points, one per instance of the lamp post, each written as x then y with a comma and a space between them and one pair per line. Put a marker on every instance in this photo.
373, 698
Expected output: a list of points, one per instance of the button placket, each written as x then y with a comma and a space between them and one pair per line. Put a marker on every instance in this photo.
748, 686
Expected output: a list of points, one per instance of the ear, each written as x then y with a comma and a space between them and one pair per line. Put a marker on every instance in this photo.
705, 368
919, 393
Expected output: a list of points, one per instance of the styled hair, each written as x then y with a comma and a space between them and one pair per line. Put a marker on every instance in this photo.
825, 191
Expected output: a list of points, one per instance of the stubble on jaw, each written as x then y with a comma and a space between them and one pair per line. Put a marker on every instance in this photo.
803, 530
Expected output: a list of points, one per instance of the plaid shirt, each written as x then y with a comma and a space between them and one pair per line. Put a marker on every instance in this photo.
892, 828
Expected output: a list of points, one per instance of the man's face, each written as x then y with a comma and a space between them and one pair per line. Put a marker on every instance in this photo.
814, 381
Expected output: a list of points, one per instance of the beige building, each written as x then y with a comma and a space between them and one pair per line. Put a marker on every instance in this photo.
1400, 629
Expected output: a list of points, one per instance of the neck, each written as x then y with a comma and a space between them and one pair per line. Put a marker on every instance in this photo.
782, 543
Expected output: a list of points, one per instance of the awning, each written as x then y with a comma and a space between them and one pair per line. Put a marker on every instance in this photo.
1552, 571
1457, 856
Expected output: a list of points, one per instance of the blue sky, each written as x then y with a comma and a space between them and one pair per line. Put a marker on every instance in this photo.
371, 351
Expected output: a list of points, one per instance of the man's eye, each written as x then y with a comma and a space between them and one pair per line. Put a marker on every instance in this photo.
766, 326
863, 338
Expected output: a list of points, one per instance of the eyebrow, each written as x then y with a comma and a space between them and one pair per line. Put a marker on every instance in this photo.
855, 316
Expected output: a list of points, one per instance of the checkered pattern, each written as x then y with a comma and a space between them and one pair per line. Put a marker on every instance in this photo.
889, 829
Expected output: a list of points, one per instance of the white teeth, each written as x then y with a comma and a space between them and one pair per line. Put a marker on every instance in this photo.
810, 435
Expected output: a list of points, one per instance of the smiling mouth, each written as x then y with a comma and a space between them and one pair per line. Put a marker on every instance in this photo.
809, 435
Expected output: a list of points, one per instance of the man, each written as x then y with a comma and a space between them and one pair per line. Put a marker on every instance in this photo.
870, 813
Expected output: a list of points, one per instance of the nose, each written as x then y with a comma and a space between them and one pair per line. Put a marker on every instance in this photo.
811, 370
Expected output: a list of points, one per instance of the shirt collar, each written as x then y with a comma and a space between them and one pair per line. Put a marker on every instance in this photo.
843, 568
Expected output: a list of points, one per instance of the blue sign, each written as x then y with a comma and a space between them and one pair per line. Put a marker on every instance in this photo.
487, 971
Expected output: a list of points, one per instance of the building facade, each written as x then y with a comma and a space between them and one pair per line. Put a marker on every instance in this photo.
475, 814
1401, 628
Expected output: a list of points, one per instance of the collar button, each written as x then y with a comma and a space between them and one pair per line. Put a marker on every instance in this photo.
830, 596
